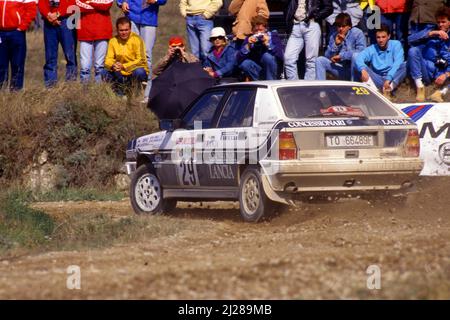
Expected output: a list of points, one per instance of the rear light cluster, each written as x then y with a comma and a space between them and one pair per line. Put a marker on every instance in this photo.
412, 145
287, 147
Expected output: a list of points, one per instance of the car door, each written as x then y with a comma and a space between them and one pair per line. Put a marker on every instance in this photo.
225, 146
181, 170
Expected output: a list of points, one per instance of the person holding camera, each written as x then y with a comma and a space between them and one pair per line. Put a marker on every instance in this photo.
429, 55
260, 52
58, 29
381, 65
175, 52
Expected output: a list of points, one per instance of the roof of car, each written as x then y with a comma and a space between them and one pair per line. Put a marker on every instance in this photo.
286, 83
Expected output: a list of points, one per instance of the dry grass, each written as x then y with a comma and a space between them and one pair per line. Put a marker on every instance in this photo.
84, 129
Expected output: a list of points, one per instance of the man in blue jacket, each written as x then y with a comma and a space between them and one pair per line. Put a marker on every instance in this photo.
260, 52
382, 64
144, 20
344, 43
429, 57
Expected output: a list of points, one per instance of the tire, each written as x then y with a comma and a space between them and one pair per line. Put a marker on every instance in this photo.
146, 193
253, 202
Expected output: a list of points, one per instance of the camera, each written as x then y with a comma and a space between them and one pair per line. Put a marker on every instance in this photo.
177, 52
259, 36
441, 63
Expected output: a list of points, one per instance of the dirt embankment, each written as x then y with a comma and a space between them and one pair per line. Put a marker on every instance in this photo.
316, 251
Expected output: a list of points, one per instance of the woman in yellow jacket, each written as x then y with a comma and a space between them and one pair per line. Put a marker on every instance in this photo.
126, 61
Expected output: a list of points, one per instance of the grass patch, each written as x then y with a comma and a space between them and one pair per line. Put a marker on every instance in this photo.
102, 230
23, 229
76, 194
21, 226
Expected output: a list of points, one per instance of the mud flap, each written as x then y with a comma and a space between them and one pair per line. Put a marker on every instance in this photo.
272, 195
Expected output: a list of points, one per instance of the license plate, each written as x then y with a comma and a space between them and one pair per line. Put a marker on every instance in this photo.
355, 140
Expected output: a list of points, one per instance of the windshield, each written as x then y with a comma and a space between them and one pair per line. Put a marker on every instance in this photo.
332, 101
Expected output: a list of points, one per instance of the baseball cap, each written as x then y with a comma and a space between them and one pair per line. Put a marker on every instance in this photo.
217, 32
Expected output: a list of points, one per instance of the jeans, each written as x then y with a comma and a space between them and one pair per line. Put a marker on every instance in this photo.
121, 83
199, 29
303, 35
421, 68
53, 36
92, 51
267, 64
379, 80
341, 70
148, 34
13, 50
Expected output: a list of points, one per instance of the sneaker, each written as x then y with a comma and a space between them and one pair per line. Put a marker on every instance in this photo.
437, 96
420, 97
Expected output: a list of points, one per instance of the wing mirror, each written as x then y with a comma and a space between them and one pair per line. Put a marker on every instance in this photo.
169, 124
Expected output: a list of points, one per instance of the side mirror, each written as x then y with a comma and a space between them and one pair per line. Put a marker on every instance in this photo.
169, 124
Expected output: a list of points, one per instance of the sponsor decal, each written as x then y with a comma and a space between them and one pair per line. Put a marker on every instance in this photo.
317, 123
428, 126
417, 112
211, 142
395, 122
185, 140
153, 140
229, 136
220, 171
342, 110
444, 153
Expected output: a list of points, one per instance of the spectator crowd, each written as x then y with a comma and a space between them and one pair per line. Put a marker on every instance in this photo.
379, 42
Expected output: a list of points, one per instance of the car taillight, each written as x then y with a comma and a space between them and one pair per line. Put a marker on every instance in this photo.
287, 147
412, 146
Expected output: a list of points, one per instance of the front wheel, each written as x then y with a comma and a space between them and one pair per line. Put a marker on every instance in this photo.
146, 193
253, 201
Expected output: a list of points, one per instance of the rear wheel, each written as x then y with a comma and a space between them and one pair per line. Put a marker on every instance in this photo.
253, 202
146, 193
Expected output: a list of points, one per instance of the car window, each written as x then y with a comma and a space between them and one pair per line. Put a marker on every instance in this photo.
203, 110
238, 110
305, 101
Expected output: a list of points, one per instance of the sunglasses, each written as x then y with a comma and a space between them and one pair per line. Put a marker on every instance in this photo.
219, 37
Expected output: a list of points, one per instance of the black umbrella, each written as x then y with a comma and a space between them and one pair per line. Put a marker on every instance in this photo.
176, 88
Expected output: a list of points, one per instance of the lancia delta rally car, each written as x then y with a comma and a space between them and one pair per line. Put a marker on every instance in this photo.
270, 142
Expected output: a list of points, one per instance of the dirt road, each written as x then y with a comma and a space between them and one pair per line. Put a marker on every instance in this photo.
316, 251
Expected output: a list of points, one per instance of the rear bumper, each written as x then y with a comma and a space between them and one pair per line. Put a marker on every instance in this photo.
341, 175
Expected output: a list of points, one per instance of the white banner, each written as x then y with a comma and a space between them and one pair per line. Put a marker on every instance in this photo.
433, 122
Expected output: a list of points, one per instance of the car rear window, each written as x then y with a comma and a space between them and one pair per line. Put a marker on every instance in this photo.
308, 101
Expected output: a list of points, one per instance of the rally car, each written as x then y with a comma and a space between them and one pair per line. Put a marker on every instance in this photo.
271, 142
